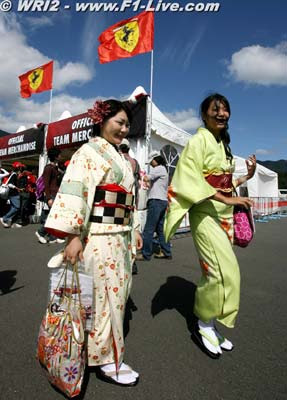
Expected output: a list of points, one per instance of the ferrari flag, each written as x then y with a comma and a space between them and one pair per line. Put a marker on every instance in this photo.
36, 80
127, 38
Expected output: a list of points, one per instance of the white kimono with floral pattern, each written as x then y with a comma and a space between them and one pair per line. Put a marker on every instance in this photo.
109, 248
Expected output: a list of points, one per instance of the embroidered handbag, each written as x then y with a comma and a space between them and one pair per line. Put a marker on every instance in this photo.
243, 226
61, 346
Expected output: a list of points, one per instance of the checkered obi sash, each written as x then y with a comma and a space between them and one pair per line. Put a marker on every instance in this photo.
221, 182
112, 205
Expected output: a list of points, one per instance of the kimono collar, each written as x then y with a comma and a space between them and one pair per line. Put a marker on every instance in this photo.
206, 131
100, 138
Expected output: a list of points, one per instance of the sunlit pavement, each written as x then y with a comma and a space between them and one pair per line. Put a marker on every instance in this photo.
158, 324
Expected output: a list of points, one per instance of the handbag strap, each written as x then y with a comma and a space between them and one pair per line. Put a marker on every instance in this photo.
74, 283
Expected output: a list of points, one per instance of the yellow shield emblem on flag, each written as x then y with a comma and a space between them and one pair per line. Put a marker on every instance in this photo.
36, 78
127, 36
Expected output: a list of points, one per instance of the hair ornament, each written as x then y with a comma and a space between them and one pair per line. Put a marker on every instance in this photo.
99, 111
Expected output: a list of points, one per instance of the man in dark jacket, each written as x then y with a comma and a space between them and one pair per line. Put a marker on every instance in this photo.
52, 178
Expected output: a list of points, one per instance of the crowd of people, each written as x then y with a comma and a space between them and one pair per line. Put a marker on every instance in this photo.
20, 204
93, 208
19, 208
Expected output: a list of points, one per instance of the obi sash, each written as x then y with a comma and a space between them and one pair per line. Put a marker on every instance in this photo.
112, 205
222, 183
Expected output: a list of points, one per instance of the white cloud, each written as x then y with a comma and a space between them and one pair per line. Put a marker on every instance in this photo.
260, 65
89, 38
183, 54
263, 152
186, 119
70, 73
38, 22
29, 112
191, 47
21, 57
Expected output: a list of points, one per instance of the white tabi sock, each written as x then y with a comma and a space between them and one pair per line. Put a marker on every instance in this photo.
209, 337
127, 376
224, 343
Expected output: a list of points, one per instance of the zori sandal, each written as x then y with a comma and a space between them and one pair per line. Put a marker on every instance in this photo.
224, 343
207, 340
125, 377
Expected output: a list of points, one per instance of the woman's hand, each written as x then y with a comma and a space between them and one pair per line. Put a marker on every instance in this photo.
74, 250
251, 166
146, 182
139, 240
239, 201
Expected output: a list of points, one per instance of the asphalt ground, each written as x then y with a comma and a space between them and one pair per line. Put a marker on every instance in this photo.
158, 325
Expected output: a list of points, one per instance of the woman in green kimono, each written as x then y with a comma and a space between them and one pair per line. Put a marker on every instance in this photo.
94, 209
202, 185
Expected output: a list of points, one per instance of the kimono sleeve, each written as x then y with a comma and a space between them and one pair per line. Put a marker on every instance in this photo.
188, 186
74, 201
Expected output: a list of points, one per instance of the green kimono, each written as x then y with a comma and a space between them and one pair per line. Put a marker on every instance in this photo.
202, 170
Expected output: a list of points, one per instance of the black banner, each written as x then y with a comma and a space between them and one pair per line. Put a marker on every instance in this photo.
22, 144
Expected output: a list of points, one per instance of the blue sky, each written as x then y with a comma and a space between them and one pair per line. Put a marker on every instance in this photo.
239, 51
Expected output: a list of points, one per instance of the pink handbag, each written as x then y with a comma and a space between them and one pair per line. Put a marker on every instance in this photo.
243, 226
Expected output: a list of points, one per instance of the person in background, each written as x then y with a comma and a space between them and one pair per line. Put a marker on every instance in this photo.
157, 179
3, 175
22, 182
202, 186
95, 210
31, 188
14, 197
52, 179
124, 148
28, 209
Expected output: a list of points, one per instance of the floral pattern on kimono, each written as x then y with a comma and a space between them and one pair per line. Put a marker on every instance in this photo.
108, 248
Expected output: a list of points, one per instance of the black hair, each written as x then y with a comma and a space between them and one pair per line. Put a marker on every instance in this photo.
160, 160
224, 134
115, 107
53, 153
124, 148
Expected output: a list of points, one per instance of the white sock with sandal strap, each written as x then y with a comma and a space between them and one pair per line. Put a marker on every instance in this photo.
125, 375
209, 338
224, 343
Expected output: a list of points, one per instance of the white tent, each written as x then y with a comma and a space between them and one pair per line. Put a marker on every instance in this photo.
263, 184
163, 132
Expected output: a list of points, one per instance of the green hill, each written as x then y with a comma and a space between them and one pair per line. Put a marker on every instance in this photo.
276, 166
280, 167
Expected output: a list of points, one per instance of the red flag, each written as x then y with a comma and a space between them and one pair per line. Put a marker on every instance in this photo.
37, 80
127, 38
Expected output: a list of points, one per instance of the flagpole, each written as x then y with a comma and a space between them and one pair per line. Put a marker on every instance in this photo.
149, 110
50, 113
151, 74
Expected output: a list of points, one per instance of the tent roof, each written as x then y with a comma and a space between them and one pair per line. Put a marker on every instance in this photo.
260, 169
264, 182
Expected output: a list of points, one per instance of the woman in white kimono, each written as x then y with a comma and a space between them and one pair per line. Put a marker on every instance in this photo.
202, 185
94, 209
